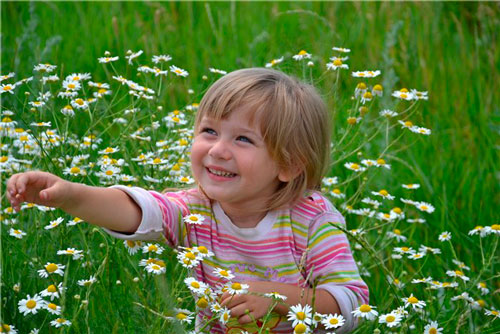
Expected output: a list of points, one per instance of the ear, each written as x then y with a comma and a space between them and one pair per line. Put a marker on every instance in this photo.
290, 173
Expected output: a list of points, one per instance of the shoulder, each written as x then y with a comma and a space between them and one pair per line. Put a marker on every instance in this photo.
315, 206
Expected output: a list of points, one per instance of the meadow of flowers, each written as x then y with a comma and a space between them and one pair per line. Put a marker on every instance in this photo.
127, 119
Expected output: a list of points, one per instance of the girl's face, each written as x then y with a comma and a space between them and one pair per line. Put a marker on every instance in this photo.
232, 164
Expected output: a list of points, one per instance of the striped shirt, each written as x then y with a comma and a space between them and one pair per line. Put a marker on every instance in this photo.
289, 245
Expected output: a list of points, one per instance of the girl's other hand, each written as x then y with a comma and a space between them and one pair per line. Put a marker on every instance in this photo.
37, 187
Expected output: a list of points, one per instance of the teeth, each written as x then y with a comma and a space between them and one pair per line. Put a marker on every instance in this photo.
221, 173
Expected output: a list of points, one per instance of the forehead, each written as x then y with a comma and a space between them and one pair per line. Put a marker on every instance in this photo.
245, 115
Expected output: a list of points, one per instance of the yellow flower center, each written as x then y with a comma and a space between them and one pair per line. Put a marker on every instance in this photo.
181, 316
432, 331
368, 95
495, 227
459, 273
156, 160
301, 315
386, 215
398, 232
4, 158
365, 308
153, 248
337, 191
7, 88
193, 218
424, 207
383, 192
300, 329
60, 320
176, 167
71, 85
52, 288
302, 53
176, 119
361, 86
337, 62
334, 321
130, 243
203, 249
378, 88
363, 110
79, 102
223, 273
31, 304
412, 300
408, 123
202, 302
70, 251
351, 120
183, 142
403, 90
236, 286
405, 249
482, 285
190, 256
481, 302
6, 120
109, 172
155, 267
52, 306
109, 150
355, 166
74, 170
195, 285
397, 210
494, 312
176, 112
5, 328
381, 161
390, 318
396, 281
51, 267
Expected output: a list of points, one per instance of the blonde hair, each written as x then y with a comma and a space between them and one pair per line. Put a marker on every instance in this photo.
293, 120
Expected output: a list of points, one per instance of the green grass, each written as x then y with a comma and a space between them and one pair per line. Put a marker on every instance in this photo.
449, 49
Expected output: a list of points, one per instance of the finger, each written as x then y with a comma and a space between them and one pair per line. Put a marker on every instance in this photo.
246, 318
11, 185
21, 181
240, 310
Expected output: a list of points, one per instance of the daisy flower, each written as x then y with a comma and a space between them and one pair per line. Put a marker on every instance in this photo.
419, 95
132, 246
391, 216
301, 328
374, 203
460, 264
354, 166
391, 319
132, 55
493, 229
31, 304
7, 329
275, 295
403, 94
54, 223
195, 285
457, 273
274, 62
337, 193
152, 248
178, 71
377, 90
413, 302
388, 113
36, 104
52, 291
214, 70
383, 193
404, 250
477, 230
71, 85
426, 249
335, 64
53, 308
365, 311
222, 273
51, 268
333, 321
79, 103
492, 312
194, 219
77, 254
104, 60
237, 288
16, 233
300, 315
422, 206
396, 234
188, 259
201, 252
420, 130
482, 286
59, 322
7, 88
186, 180
338, 49
366, 74
302, 55
432, 328
360, 89
87, 282
225, 314
329, 181
416, 256
445, 236
153, 268
161, 58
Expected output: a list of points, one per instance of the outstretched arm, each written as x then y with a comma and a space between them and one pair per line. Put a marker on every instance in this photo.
105, 207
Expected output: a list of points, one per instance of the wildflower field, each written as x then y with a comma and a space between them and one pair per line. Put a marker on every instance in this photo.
105, 93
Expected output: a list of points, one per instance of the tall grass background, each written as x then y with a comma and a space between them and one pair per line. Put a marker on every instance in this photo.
449, 49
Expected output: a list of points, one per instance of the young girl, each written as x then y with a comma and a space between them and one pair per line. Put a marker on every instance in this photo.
260, 150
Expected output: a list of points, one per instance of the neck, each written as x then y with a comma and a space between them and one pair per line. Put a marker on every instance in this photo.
243, 217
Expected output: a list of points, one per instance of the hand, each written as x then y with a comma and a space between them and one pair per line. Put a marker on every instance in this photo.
37, 187
244, 305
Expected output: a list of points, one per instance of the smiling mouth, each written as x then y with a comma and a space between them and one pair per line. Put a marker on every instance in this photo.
220, 173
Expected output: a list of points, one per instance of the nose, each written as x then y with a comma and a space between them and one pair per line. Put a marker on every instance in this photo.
220, 150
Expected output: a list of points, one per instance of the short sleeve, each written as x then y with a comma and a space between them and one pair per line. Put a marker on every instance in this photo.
333, 268
161, 216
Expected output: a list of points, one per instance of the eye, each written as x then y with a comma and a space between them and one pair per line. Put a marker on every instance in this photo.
244, 139
209, 131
